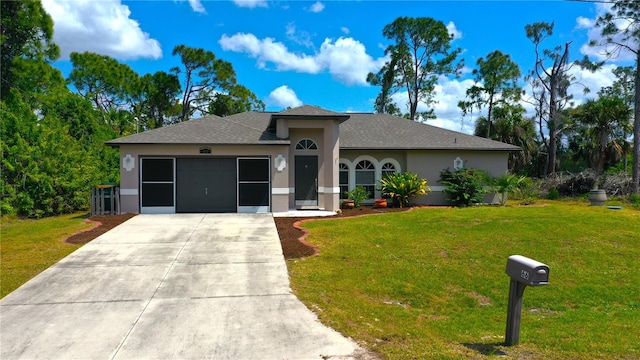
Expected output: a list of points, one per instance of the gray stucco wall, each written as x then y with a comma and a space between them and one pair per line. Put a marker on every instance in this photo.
428, 164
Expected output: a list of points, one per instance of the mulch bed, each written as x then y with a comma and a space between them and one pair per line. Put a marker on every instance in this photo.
102, 224
290, 235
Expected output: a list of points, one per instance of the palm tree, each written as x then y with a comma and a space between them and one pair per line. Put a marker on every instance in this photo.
510, 126
601, 126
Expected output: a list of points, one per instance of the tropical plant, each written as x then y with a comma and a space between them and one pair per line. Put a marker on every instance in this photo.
601, 127
504, 185
358, 194
465, 187
402, 187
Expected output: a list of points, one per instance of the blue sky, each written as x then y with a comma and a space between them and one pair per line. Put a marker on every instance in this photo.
318, 52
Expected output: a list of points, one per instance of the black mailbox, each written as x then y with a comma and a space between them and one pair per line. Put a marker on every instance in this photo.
527, 271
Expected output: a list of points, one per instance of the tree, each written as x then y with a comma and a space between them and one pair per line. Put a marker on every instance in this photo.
624, 88
203, 75
107, 83
384, 78
498, 76
421, 52
511, 127
159, 103
25, 40
601, 128
621, 29
238, 99
550, 80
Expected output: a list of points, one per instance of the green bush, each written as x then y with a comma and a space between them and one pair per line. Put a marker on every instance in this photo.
465, 187
358, 194
402, 187
505, 185
553, 194
634, 199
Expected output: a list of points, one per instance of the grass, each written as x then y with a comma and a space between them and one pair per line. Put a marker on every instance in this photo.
431, 283
28, 247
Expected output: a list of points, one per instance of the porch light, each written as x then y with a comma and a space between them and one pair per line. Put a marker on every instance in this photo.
280, 163
128, 162
458, 163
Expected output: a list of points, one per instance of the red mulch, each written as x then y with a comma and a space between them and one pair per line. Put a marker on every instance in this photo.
292, 245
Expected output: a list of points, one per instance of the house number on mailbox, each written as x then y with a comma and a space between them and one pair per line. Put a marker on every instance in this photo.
524, 274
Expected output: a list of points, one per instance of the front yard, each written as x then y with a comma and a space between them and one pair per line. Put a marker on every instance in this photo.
431, 283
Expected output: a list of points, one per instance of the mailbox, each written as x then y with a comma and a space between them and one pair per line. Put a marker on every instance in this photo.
523, 272
527, 271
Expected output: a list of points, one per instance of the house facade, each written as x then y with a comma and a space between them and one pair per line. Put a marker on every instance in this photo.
302, 158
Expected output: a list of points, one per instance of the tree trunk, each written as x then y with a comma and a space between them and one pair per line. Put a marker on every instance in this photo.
489, 117
552, 125
636, 131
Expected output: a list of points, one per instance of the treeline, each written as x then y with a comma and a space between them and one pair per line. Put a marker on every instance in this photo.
52, 137
561, 136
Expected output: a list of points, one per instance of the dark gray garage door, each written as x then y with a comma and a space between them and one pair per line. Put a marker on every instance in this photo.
206, 185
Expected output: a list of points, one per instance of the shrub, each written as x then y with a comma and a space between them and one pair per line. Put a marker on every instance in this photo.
402, 187
504, 185
358, 195
634, 199
465, 187
553, 194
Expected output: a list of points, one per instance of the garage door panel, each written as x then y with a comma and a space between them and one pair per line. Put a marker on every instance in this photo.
206, 185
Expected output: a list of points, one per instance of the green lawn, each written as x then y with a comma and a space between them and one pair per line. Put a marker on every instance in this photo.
431, 283
28, 247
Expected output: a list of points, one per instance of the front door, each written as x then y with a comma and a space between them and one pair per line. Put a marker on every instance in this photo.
206, 185
306, 180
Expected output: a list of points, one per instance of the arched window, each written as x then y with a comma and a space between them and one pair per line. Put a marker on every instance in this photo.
306, 144
366, 176
344, 180
388, 168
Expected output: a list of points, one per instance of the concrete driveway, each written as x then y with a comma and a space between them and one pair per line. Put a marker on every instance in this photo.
187, 286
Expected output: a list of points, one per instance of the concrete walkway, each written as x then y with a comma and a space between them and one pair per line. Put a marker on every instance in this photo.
187, 286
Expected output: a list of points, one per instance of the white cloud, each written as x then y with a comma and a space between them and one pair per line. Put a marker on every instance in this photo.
300, 37
269, 51
284, 97
451, 27
197, 6
346, 59
600, 51
345, 30
317, 7
250, 3
594, 81
447, 93
102, 27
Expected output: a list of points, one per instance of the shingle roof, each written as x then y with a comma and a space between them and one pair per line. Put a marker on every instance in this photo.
248, 129
360, 131
309, 110
381, 131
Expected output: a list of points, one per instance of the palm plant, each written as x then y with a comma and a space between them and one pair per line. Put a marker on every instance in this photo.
402, 187
601, 125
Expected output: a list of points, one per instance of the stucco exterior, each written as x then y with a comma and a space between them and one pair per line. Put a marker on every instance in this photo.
309, 164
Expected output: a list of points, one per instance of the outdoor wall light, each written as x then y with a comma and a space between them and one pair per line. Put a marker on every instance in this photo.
458, 163
128, 162
280, 163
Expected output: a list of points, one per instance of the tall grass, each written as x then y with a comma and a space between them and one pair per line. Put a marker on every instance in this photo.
431, 283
